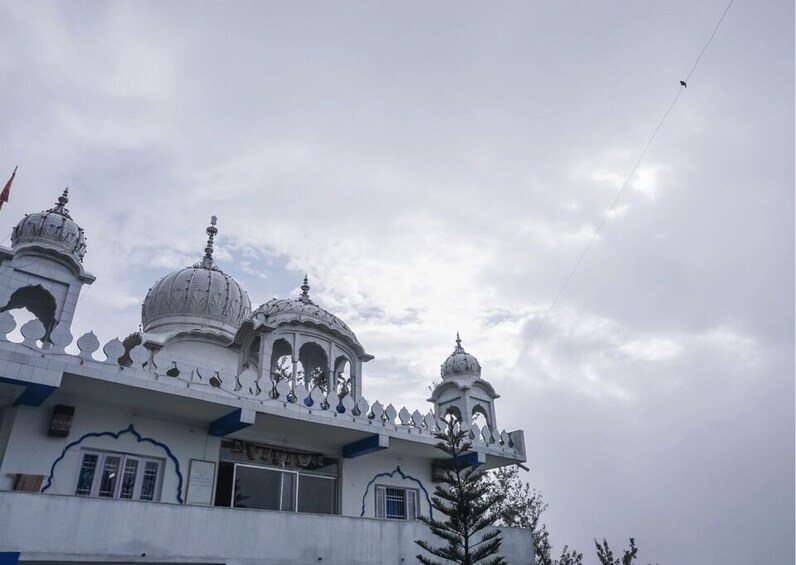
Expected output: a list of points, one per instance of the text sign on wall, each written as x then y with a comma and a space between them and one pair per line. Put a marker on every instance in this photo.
201, 478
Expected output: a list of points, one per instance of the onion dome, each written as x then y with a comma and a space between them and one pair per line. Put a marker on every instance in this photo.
460, 363
201, 298
52, 229
303, 310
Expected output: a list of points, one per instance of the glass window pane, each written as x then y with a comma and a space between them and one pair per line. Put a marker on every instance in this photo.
411, 504
395, 501
128, 478
149, 480
289, 492
257, 488
86, 477
316, 494
110, 475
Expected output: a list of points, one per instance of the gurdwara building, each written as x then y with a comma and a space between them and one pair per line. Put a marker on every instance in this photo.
218, 433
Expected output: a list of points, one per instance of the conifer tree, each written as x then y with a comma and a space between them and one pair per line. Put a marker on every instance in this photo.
467, 499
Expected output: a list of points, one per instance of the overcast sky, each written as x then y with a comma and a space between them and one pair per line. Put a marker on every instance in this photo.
440, 166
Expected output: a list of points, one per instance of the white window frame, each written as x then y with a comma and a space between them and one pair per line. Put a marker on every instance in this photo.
96, 481
411, 502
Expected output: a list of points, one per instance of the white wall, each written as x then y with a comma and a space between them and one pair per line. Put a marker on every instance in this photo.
81, 529
30, 450
358, 472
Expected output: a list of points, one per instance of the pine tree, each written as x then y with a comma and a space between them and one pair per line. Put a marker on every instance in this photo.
467, 499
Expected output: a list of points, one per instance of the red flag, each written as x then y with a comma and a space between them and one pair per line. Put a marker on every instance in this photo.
7, 189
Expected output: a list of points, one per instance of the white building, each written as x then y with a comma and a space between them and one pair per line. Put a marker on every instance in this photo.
218, 434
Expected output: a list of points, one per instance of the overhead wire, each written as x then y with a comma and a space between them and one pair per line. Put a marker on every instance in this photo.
623, 188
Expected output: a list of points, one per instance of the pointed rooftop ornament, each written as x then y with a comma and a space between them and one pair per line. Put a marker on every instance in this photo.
60, 205
305, 292
458, 348
212, 230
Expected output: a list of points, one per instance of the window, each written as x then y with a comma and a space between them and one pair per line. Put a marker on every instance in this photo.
396, 503
119, 475
266, 477
276, 489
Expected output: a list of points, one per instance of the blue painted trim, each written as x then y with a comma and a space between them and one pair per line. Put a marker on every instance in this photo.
115, 435
34, 393
9, 557
363, 446
404, 477
228, 424
470, 459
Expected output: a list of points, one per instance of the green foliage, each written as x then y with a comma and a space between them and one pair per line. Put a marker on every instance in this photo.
522, 507
468, 500
606, 556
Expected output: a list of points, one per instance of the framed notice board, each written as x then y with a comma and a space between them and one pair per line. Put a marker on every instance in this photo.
201, 480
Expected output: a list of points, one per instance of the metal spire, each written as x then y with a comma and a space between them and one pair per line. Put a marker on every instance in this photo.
212, 230
63, 200
458, 348
60, 205
305, 291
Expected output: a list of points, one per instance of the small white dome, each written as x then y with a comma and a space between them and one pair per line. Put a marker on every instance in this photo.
460, 363
201, 298
52, 229
281, 311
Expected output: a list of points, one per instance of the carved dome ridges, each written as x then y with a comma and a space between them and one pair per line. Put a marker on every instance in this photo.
285, 309
460, 363
200, 297
279, 311
53, 228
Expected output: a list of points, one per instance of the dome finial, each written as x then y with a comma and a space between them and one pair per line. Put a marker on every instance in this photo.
305, 291
458, 348
60, 205
212, 230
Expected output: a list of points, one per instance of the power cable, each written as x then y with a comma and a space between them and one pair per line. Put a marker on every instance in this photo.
683, 86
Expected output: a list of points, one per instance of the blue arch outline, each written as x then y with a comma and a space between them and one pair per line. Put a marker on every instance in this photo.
115, 435
404, 477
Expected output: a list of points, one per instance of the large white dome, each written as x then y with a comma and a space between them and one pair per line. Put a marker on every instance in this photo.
201, 298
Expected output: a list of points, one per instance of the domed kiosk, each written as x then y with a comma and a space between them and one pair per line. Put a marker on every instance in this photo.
462, 392
296, 339
44, 270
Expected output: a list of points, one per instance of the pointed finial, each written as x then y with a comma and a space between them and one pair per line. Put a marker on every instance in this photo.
212, 230
458, 348
305, 291
60, 205
63, 200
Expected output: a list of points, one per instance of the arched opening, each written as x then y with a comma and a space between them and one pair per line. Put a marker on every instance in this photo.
253, 358
281, 364
342, 376
453, 416
480, 416
313, 366
38, 302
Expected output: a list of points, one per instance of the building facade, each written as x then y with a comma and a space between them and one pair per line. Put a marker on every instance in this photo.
219, 433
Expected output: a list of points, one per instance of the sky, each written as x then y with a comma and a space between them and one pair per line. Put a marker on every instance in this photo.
440, 167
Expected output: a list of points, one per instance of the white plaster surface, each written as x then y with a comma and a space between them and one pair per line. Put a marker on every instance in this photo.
31, 451
358, 472
54, 528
